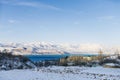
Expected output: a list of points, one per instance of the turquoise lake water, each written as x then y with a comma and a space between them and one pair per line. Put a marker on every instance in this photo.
36, 58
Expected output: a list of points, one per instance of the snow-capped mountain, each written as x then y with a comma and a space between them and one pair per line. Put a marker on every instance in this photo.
52, 48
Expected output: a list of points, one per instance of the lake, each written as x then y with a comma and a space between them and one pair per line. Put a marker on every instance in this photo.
36, 58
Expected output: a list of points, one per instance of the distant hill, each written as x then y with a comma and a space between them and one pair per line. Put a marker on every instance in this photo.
9, 61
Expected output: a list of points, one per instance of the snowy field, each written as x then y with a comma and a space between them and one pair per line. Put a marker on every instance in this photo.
62, 73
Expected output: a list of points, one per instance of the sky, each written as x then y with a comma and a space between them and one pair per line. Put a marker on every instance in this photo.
61, 21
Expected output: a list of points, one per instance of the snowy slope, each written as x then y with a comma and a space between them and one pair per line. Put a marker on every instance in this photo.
62, 73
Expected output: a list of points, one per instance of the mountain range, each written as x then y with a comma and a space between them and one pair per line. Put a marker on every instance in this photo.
54, 48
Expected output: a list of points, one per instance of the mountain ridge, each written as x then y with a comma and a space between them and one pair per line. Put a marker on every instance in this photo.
52, 48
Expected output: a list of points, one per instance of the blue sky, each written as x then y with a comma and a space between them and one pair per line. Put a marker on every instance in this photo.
71, 21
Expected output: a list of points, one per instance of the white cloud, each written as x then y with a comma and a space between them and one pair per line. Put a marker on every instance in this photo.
29, 4
12, 21
106, 17
7, 1
38, 5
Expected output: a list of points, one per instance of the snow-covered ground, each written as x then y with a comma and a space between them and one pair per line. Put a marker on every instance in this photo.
62, 73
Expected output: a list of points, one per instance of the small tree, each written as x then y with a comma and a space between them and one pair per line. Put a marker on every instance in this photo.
5, 51
100, 56
117, 53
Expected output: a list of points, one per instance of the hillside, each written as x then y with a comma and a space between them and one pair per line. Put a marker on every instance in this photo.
9, 61
63, 73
